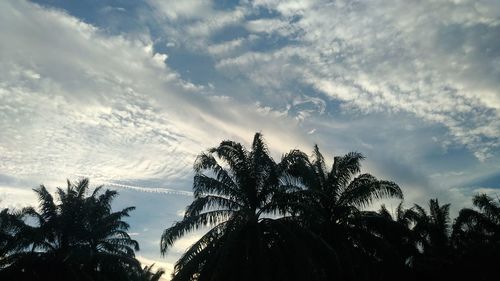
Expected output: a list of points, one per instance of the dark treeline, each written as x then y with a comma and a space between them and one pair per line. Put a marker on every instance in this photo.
76, 237
298, 219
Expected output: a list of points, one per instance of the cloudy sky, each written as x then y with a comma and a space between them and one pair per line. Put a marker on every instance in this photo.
129, 92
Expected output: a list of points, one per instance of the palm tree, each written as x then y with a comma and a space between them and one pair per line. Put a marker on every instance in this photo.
330, 203
483, 226
78, 234
402, 220
147, 274
476, 239
433, 229
432, 234
235, 195
399, 241
10, 225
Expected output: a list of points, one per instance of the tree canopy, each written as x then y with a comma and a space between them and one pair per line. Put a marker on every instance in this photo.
76, 236
297, 219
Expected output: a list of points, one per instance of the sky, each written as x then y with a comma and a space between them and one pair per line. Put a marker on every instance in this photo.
128, 92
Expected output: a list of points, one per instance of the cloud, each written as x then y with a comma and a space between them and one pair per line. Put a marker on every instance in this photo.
81, 104
412, 85
190, 24
378, 56
226, 47
76, 101
16, 198
191, 9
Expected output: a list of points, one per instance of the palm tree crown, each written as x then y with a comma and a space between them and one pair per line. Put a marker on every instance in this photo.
472, 227
79, 233
338, 190
330, 201
235, 193
433, 229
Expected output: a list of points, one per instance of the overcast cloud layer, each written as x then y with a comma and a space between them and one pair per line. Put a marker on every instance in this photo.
128, 93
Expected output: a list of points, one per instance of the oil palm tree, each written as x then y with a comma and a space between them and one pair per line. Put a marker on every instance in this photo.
235, 197
330, 201
147, 274
476, 239
432, 234
78, 234
478, 226
336, 194
433, 228
398, 238
11, 223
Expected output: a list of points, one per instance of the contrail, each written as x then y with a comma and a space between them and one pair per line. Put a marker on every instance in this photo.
140, 188
151, 189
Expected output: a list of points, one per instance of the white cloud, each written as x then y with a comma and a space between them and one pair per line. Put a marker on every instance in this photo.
435, 60
225, 48
78, 102
281, 27
81, 104
190, 24
182, 9
16, 198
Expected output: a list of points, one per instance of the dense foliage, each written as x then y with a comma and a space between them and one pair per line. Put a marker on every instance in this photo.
76, 237
298, 220
295, 219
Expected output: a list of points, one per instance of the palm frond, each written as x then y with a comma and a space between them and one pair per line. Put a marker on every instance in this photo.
235, 155
487, 205
439, 214
46, 203
208, 162
96, 191
188, 224
383, 212
366, 188
295, 166
205, 185
208, 202
81, 187
344, 168
211, 236
319, 166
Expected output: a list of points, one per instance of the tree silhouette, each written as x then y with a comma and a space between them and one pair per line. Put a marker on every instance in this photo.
399, 242
476, 239
11, 224
262, 220
481, 226
77, 234
147, 274
432, 231
330, 203
235, 193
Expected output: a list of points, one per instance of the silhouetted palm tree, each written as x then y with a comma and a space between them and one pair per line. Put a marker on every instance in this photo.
11, 224
147, 274
79, 235
401, 232
399, 242
329, 202
432, 232
433, 229
476, 239
481, 226
235, 195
